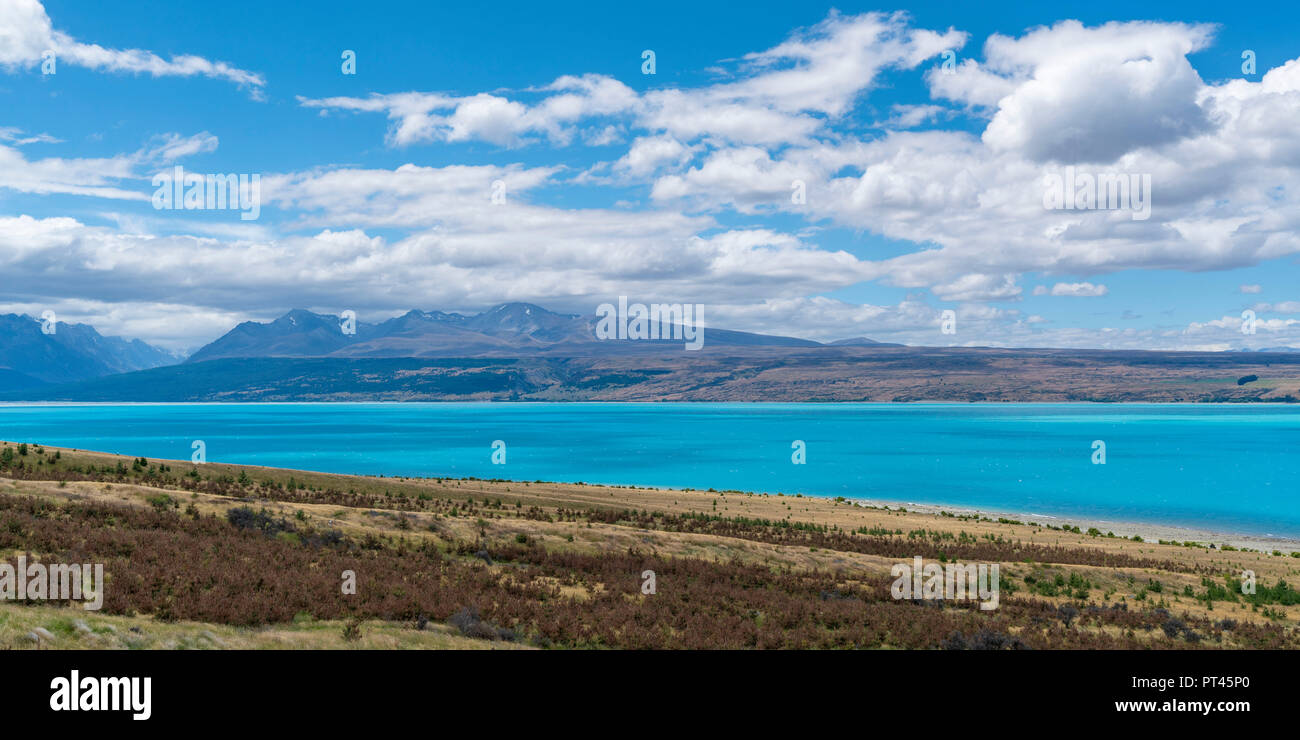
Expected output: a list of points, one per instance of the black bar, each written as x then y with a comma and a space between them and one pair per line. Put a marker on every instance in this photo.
919, 689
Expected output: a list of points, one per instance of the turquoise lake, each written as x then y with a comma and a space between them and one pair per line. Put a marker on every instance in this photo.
1229, 468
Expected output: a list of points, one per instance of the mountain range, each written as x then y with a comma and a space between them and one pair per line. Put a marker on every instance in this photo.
77, 352
508, 330
520, 351
31, 357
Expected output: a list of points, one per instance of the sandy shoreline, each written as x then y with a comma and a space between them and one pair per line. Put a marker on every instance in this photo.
1148, 531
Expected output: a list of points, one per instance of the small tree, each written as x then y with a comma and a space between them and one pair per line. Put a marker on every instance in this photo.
352, 630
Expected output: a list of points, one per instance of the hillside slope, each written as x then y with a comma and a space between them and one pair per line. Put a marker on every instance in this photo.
555, 565
718, 374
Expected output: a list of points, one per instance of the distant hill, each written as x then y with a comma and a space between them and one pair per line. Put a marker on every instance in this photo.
284, 378
14, 380
508, 330
73, 352
861, 342
716, 373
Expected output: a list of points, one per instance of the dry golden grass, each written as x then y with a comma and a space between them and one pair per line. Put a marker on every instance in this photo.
77, 629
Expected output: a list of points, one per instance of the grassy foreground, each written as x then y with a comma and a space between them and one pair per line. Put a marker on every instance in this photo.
222, 556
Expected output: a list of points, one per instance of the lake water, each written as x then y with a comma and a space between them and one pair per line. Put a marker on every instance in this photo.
1230, 468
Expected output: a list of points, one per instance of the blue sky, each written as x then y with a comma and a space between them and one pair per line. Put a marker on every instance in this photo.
921, 135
